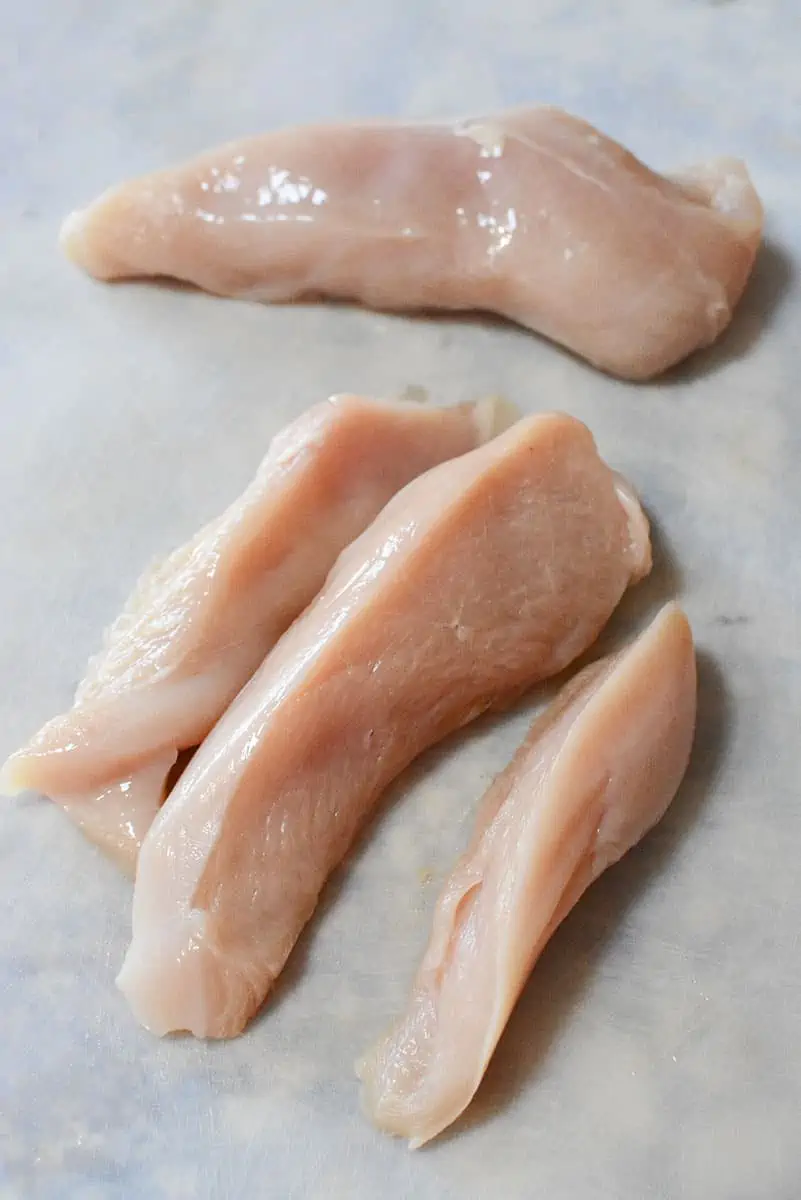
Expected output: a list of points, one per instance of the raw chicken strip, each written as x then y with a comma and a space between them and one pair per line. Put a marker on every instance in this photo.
481, 577
532, 214
198, 625
596, 772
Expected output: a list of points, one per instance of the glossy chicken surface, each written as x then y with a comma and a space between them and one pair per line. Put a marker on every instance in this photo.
532, 214
596, 772
481, 577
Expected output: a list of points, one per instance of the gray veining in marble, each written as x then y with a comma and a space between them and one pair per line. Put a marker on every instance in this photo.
657, 1050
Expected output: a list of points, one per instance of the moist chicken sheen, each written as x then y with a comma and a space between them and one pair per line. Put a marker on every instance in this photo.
532, 214
596, 772
481, 577
198, 625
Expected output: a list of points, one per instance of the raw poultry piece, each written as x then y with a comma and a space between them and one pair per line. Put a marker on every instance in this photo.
531, 213
596, 772
199, 624
480, 578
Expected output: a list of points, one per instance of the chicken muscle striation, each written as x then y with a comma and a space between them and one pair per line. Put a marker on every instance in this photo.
198, 625
596, 772
481, 577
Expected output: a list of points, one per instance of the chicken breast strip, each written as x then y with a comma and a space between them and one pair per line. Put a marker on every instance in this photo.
596, 772
532, 214
198, 625
480, 578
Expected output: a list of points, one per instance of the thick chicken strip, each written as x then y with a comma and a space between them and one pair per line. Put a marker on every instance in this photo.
198, 625
532, 214
481, 577
596, 772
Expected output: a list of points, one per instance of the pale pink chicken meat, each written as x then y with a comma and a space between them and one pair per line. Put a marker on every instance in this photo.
596, 772
198, 625
531, 214
478, 579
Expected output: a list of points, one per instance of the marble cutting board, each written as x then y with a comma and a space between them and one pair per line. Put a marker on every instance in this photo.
656, 1051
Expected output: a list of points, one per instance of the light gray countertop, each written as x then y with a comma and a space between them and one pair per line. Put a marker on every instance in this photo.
657, 1049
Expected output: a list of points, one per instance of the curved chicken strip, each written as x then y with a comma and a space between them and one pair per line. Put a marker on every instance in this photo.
481, 577
532, 214
198, 625
596, 772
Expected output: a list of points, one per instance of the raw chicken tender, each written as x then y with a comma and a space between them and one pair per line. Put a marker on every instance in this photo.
198, 625
596, 771
532, 214
480, 578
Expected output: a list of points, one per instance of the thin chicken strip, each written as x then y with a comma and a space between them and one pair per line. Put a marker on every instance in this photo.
532, 214
480, 578
198, 625
596, 772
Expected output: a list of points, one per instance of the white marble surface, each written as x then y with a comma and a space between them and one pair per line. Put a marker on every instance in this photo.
656, 1052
